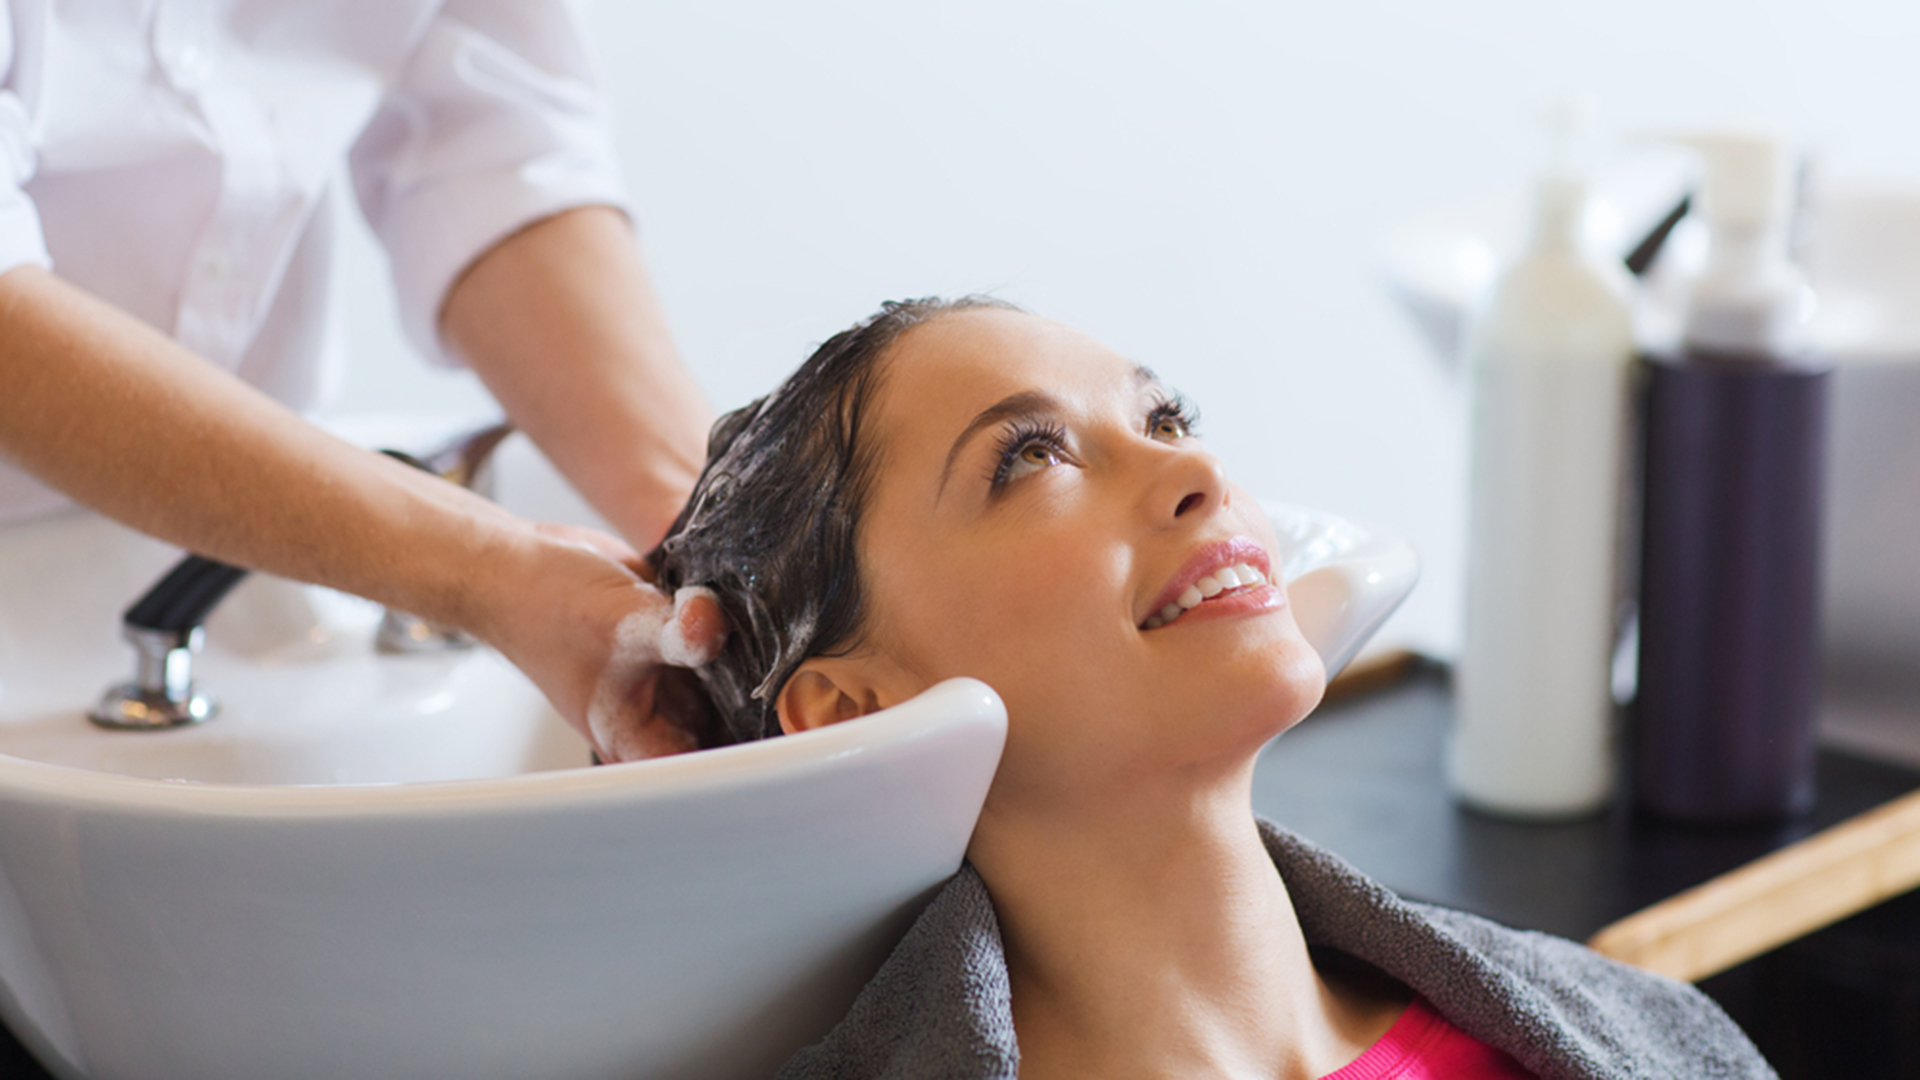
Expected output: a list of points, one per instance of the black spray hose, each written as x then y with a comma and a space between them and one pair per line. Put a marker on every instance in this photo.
182, 599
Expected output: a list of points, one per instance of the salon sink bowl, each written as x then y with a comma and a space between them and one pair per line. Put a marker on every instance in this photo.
402, 866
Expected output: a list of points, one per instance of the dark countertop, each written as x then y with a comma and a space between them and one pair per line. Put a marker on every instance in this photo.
1363, 778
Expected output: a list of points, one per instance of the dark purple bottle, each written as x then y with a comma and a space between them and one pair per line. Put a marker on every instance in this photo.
1724, 720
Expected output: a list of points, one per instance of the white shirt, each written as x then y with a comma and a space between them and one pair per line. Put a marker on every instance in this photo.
173, 158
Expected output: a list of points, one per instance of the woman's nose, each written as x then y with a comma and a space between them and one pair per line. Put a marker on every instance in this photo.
1191, 482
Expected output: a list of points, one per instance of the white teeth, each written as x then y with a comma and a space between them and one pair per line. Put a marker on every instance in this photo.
1239, 575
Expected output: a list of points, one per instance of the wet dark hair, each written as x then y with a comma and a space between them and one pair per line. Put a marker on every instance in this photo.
773, 524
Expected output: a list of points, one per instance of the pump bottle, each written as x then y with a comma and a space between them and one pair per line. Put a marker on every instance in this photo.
1550, 364
1724, 716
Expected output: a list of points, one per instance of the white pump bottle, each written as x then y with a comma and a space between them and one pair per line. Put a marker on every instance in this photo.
1551, 367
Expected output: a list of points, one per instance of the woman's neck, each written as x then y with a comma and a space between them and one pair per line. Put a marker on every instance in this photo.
1157, 939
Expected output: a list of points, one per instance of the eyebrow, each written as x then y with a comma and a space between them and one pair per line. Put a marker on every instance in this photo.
1022, 404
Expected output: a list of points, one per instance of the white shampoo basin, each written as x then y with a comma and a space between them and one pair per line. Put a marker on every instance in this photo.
375, 866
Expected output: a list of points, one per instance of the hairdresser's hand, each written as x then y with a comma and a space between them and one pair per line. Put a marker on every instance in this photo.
610, 651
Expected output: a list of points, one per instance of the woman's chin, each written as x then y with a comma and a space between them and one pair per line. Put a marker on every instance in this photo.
1242, 714
1282, 692
1310, 678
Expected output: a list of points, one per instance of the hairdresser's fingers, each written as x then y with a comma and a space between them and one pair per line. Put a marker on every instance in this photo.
681, 710
666, 710
697, 630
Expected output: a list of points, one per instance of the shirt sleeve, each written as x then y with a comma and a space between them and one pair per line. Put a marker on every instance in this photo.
22, 243
493, 123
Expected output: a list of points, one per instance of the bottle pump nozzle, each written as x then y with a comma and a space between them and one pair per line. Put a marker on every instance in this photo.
1751, 299
1749, 180
1560, 194
1565, 121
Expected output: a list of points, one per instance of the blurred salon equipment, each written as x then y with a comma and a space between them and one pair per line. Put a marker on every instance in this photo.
1858, 236
1816, 946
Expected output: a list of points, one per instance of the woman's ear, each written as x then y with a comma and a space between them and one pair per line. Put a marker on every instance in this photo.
823, 693
829, 689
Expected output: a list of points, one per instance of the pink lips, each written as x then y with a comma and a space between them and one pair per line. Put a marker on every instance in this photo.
1211, 557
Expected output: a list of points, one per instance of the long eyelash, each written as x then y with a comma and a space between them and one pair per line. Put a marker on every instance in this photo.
1173, 406
1020, 435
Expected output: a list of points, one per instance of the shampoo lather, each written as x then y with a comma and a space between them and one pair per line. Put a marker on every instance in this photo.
1550, 364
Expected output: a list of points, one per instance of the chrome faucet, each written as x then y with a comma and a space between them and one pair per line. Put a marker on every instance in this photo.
164, 628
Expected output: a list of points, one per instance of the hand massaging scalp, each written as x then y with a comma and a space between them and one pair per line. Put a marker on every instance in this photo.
642, 640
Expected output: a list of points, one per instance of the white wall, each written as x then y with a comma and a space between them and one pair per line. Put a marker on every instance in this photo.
1205, 186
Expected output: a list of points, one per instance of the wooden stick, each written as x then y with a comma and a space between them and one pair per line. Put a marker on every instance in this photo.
1773, 900
1372, 671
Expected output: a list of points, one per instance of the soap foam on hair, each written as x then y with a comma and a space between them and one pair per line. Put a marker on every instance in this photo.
675, 649
645, 639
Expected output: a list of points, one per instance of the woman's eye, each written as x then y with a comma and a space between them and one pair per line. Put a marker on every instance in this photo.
1028, 450
1169, 429
1030, 458
1171, 421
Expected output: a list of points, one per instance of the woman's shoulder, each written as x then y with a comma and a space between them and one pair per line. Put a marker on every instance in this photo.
941, 1005
1555, 1005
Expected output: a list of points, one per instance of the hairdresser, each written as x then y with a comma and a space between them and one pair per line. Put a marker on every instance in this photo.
164, 241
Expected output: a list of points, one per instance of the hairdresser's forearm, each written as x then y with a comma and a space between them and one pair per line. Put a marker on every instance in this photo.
561, 322
123, 419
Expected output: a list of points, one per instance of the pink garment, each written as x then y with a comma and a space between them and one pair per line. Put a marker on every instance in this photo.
1421, 1045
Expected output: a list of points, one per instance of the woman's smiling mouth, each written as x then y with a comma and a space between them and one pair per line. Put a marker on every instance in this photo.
1229, 569
1221, 582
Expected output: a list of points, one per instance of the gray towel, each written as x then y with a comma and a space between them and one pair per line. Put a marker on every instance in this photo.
941, 1007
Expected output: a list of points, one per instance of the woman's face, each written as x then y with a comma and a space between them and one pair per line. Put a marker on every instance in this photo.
1038, 506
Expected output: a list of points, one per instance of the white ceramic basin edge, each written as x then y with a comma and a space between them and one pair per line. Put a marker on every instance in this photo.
1343, 581
954, 702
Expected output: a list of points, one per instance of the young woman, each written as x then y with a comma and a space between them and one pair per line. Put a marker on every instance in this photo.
964, 489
